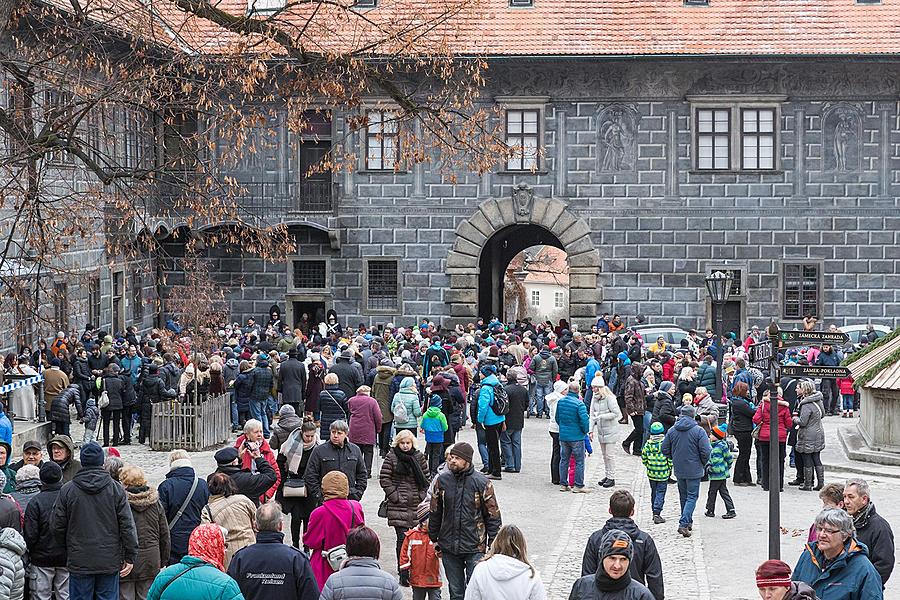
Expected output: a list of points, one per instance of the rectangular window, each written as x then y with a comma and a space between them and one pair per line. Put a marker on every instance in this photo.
24, 324
383, 285
58, 105
713, 138
802, 283
61, 305
94, 301
309, 275
558, 299
137, 298
758, 138
535, 297
365, 3
521, 3
262, 7
381, 141
522, 136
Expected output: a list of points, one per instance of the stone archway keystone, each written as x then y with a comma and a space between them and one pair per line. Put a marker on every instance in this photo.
522, 207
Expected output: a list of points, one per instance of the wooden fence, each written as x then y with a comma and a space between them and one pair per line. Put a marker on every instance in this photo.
190, 426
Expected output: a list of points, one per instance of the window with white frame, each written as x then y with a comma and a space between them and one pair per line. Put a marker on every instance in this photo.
264, 7
523, 138
757, 138
382, 147
558, 299
535, 297
713, 139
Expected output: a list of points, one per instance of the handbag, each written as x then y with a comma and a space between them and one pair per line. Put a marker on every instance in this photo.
383, 509
337, 555
294, 488
755, 433
103, 402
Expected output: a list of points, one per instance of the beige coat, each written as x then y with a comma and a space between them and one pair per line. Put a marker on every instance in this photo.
236, 514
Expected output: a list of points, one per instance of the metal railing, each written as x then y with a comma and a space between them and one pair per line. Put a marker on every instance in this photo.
191, 426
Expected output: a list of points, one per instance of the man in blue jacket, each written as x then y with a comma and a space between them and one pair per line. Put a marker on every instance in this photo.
574, 424
687, 444
489, 419
271, 569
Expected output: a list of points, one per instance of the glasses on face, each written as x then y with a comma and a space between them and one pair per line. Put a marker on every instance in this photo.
826, 531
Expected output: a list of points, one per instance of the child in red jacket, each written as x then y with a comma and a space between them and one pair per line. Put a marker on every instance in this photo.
419, 561
848, 394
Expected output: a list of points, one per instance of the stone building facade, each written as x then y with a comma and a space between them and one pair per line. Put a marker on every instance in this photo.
651, 174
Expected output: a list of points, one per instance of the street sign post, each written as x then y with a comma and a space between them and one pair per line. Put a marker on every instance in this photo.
774, 449
761, 354
813, 371
813, 338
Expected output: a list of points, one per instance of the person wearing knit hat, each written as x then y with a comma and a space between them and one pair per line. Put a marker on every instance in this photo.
612, 579
93, 519
773, 580
659, 469
687, 445
329, 523
465, 516
28, 484
719, 470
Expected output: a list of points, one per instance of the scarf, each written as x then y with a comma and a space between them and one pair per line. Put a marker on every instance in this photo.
605, 583
208, 544
408, 465
292, 450
861, 519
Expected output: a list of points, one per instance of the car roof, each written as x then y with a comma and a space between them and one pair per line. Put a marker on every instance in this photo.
857, 327
661, 326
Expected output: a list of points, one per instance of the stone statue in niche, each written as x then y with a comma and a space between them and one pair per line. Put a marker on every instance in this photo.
842, 130
617, 128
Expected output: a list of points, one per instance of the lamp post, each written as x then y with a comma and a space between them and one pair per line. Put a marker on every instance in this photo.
718, 286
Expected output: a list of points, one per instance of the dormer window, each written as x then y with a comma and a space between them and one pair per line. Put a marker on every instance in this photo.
521, 3
365, 4
696, 2
264, 7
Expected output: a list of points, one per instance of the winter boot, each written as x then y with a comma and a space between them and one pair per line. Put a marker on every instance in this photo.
798, 480
807, 479
820, 474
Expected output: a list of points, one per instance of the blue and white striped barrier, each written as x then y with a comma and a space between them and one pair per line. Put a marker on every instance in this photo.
20, 384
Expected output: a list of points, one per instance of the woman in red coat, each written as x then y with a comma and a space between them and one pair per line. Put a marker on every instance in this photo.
329, 524
762, 419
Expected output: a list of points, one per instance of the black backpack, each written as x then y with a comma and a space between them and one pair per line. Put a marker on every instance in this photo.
500, 405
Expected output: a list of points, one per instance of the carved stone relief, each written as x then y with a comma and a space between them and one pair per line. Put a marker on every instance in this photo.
842, 137
617, 126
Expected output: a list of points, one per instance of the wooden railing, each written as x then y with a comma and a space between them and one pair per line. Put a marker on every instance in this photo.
191, 426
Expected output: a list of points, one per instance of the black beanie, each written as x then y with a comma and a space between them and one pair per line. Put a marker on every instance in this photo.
50, 472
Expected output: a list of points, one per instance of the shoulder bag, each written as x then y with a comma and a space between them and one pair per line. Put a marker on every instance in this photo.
333, 399
184, 505
337, 555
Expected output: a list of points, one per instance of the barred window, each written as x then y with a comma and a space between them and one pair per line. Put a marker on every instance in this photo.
381, 141
383, 285
58, 105
713, 138
802, 290
523, 136
758, 138
309, 274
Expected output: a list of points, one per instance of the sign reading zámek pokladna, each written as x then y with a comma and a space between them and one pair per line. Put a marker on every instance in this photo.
814, 371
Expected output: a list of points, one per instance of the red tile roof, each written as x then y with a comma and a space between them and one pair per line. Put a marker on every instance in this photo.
551, 27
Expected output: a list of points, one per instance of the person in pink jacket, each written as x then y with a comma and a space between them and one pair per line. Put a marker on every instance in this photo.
329, 523
365, 423
785, 422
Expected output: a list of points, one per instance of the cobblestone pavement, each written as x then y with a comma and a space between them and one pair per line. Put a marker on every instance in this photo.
718, 561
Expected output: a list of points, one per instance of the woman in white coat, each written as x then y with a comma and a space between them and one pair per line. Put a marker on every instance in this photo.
505, 573
605, 414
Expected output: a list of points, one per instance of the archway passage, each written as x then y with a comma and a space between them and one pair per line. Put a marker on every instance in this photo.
496, 256
479, 245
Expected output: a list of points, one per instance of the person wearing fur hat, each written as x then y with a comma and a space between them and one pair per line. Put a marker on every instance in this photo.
612, 581
92, 516
719, 469
152, 532
773, 582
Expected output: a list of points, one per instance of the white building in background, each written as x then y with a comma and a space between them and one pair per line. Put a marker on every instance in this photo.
539, 276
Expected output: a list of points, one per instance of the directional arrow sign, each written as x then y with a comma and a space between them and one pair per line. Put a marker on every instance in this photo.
760, 354
814, 337
814, 371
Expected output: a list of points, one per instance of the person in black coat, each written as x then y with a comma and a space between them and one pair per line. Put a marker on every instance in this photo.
664, 405
252, 485
271, 569
92, 516
173, 492
349, 377
81, 373
336, 454
59, 409
114, 386
741, 425
645, 566
151, 390
292, 382
129, 401
332, 405
511, 438
47, 553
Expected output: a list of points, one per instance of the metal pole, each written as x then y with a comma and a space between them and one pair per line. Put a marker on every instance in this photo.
775, 460
720, 351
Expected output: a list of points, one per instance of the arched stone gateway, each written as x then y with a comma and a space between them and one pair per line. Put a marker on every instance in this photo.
504, 218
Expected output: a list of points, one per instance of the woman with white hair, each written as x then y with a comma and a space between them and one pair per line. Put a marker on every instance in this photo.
836, 565
559, 390
605, 414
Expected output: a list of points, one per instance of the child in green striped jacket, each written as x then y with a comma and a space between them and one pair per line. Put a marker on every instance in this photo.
720, 461
659, 468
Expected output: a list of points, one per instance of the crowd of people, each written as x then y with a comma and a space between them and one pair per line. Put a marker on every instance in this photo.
312, 405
